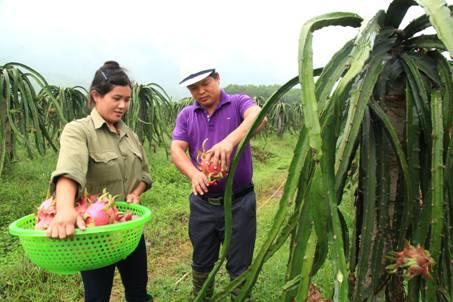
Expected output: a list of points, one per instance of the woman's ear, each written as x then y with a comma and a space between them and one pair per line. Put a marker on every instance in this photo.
95, 96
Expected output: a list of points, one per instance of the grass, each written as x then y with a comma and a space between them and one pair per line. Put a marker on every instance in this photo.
25, 185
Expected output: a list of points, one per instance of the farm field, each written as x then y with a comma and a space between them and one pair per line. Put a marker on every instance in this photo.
169, 250
364, 211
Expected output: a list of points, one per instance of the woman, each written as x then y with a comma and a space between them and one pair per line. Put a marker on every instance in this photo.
99, 152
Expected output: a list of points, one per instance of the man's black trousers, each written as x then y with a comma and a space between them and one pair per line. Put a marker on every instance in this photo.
206, 231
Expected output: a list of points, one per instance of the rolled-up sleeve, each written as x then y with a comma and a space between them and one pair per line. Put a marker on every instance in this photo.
72, 158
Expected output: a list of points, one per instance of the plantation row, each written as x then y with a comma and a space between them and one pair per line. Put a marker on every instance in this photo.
33, 112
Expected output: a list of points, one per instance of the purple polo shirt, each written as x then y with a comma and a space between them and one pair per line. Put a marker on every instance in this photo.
194, 125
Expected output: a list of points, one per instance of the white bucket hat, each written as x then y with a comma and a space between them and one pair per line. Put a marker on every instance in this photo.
195, 70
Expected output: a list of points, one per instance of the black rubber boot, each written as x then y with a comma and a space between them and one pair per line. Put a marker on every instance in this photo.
198, 279
149, 298
235, 294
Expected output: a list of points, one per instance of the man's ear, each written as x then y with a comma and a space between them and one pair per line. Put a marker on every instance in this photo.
216, 76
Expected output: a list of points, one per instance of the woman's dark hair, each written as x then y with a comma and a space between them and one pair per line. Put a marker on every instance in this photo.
109, 75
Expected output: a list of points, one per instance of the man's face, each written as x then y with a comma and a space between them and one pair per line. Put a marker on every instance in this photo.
207, 91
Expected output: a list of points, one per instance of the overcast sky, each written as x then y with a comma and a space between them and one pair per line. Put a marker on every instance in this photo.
251, 41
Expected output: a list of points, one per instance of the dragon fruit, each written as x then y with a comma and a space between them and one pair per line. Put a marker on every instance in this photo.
122, 217
82, 204
102, 211
415, 261
314, 295
212, 171
94, 210
46, 212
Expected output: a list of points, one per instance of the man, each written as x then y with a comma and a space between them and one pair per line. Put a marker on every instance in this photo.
218, 122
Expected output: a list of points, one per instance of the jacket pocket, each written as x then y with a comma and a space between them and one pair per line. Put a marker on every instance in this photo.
104, 169
103, 157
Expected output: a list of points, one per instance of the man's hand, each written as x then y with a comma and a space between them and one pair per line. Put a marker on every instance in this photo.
221, 153
199, 183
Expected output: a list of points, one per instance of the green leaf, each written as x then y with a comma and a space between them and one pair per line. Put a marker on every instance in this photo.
441, 19
288, 194
427, 66
396, 12
306, 267
408, 187
314, 132
419, 93
360, 95
438, 165
426, 42
331, 74
306, 72
363, 284
418, 25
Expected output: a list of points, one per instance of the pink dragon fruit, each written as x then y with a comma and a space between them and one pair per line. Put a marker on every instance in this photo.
102, 211
46, 212
122, 217
82, 205
94, 210
414, 261
213, 172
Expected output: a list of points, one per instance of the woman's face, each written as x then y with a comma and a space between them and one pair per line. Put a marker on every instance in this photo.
114, 104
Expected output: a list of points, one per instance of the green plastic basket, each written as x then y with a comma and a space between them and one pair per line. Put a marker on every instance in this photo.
92, 248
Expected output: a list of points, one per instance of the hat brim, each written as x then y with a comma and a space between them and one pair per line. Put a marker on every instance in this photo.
196, 78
